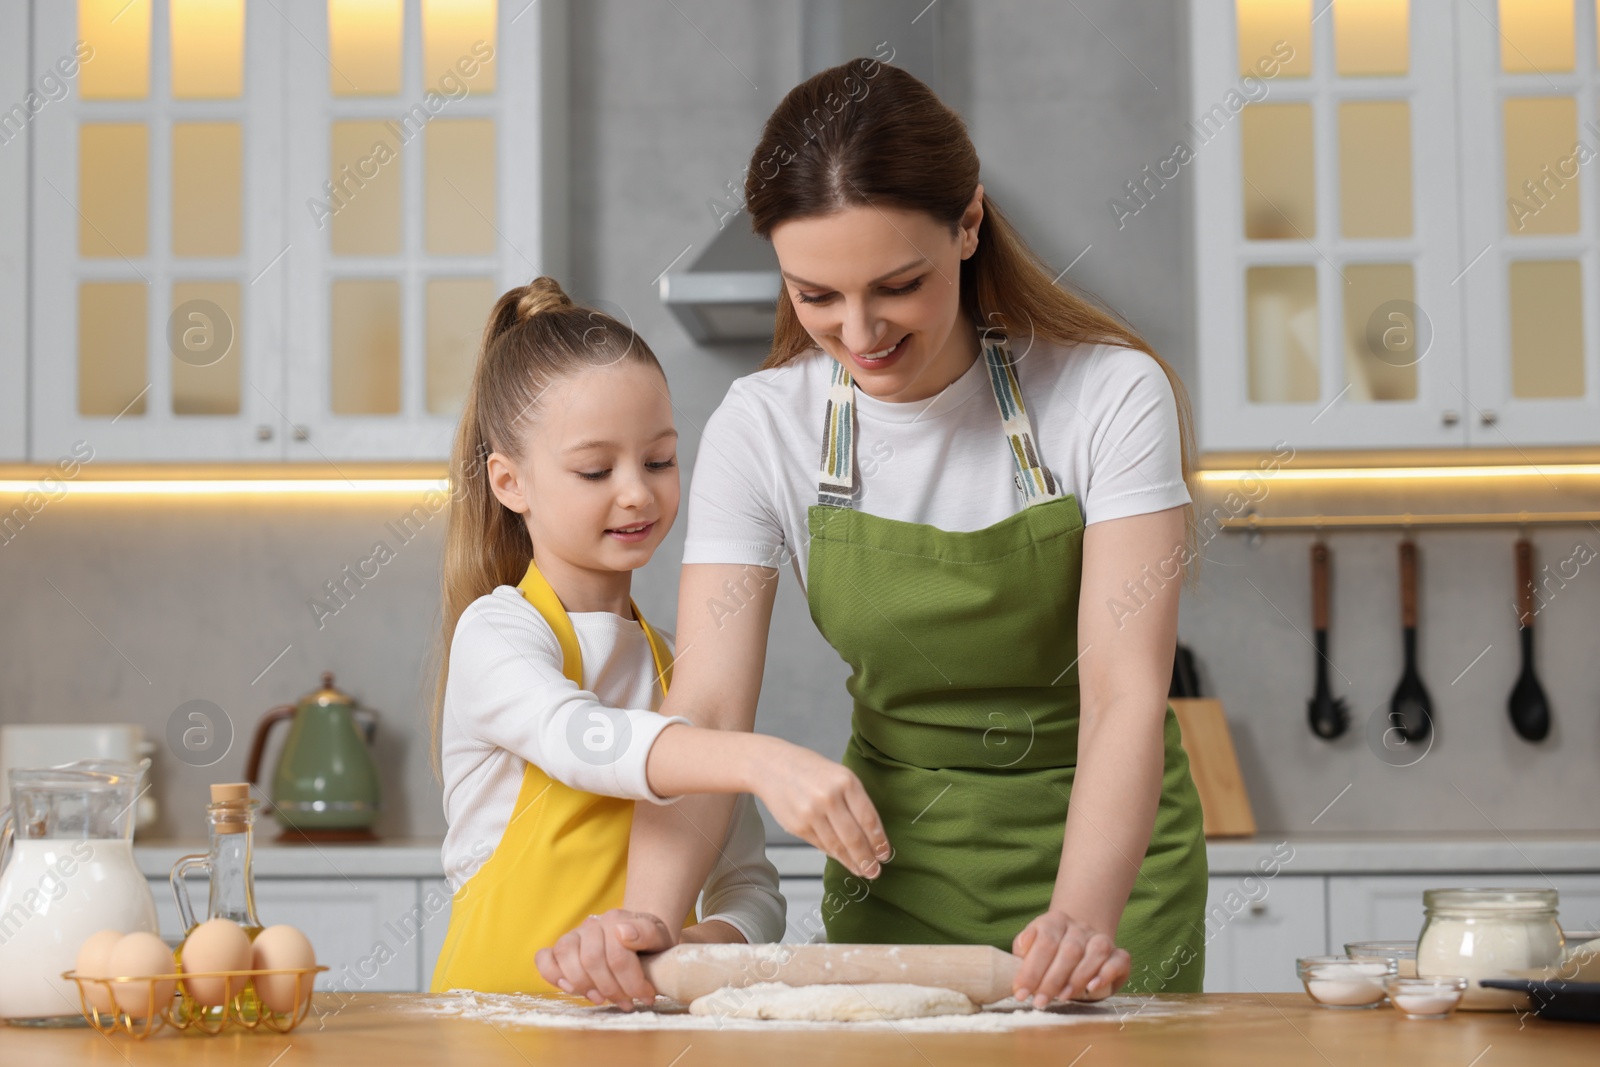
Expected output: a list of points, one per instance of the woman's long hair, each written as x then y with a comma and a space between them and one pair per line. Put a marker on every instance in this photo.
535, 336
865, 133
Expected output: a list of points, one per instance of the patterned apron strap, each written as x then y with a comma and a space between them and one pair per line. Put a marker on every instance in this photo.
1032, 478
836, 478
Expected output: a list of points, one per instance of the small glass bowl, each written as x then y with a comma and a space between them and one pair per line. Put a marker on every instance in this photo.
1425, 998
1343, 982
1402, 952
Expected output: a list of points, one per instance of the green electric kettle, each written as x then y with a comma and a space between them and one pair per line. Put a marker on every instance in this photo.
326, 784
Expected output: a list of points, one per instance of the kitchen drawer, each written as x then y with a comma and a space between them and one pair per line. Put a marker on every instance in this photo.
434, 894
366, 930
804, 899
1383, 907
1257, 927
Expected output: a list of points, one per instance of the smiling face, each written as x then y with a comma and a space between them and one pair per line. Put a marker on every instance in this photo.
878, 289
597, 483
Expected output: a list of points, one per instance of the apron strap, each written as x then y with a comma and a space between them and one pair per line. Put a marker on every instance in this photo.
836, 478
538, 592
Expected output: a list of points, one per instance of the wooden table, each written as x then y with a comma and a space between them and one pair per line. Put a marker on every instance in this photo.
1247, 1029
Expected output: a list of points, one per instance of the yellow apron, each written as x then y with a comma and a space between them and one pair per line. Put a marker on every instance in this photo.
562, 858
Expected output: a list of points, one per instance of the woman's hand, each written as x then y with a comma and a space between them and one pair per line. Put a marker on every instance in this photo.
822, 802
1062, 957
600, 959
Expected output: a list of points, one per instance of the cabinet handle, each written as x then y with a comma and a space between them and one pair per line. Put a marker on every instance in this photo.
263, 432
1450, 417
1258, 908
1488, 417
302, 434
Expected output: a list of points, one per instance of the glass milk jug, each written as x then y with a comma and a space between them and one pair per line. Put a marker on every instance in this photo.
66, 871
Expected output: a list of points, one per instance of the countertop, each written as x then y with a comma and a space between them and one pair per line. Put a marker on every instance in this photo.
1306, 854
1240, 1029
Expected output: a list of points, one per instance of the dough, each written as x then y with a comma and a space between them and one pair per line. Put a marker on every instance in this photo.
832, 1003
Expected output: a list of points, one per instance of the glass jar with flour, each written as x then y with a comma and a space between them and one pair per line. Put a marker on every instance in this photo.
1484, 933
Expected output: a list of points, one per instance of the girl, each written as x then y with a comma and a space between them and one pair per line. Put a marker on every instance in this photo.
566, 481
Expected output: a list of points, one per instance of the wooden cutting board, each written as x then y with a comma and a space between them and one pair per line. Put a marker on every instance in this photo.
685, 972
1215, 766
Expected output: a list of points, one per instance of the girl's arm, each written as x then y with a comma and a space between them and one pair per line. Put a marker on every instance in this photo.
1124, 673
742, 891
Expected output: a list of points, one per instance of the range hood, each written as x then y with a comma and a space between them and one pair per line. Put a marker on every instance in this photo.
729, 292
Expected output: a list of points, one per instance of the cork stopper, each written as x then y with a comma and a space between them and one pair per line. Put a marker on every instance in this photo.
230, 811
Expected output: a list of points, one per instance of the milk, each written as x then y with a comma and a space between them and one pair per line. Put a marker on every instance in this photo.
54, 893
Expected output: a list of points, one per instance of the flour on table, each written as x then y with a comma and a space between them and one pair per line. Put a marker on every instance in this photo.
833, 1003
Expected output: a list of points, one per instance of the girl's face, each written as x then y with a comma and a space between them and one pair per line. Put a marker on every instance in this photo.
879, 290
598, 479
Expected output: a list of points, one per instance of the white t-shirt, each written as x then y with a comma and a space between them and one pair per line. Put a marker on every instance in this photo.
1104, 418
507, 704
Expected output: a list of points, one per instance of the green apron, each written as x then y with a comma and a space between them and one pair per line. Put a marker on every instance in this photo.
963, 648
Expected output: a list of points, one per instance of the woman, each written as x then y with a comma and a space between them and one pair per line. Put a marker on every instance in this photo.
992, 540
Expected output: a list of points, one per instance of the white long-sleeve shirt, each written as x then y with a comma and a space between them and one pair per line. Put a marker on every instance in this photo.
507, 704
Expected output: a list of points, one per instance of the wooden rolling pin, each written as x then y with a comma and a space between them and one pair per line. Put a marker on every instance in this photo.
685, 972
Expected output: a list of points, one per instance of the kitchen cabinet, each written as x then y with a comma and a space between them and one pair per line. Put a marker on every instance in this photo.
273, 232
368, 931
1257, 927
1385, 907
1365, 281
14, 140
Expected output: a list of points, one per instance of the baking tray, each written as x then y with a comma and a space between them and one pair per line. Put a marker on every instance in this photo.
1554, 998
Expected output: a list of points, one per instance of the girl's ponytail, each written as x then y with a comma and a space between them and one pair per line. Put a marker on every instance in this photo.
535, 336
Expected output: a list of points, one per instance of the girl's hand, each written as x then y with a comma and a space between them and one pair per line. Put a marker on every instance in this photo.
824, 803
600, 959
1064, 958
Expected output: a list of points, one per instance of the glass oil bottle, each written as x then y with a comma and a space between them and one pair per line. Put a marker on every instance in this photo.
229, 867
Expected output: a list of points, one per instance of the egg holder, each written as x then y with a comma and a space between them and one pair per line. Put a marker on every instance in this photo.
184, 1013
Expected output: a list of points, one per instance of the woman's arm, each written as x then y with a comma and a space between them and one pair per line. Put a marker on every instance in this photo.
1124, 671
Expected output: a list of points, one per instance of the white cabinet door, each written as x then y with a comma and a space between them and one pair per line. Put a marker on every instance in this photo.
367, 931
1389, 907
803, 923
156, 207
14, 227
1255, 932
1326, 233
434, 896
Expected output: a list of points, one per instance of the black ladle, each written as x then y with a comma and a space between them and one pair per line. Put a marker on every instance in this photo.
1328, 714
1530, 711
1410, 709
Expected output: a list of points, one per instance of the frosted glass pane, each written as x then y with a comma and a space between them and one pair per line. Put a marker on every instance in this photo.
207, 49
364, 371
1280, 189
113, 189
1542, 191
119, 33
1546, 328
1281, 308
1265, 23
1536, 36
458, 46
365, 165
112, 344
364, 39
1375, 168
1382, 338
203, 334
207, 183
459, 177
457, 311
1371, 36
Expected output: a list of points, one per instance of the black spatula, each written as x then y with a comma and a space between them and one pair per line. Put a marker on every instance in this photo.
1327, 713
1410, 709
1530, 711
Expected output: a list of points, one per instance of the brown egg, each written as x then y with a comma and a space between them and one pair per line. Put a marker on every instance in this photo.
282, 948
141, 955
215, 945
93, 961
